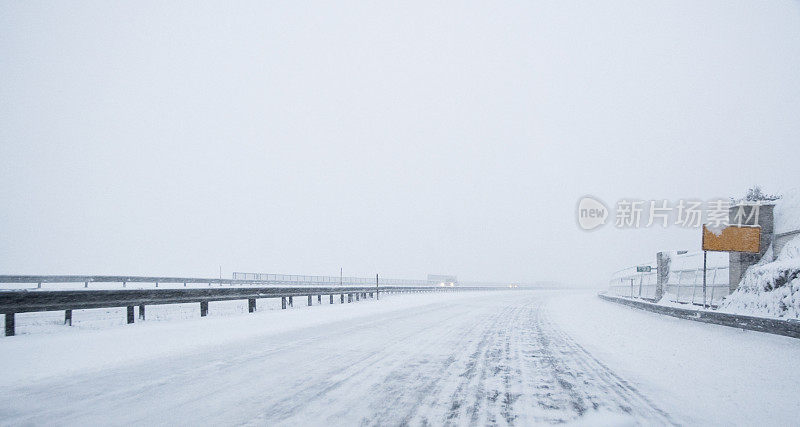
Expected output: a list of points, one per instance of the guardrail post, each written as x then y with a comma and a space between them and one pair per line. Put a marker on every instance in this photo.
309, 300
358, 296
283, 303
349, 298
341, 298
123, 284
10, 324
184, 284
156, 284
251, 305
68, 317
291, 302
141, 311
203, 308
39, 286
319, 299
85, 284
331, 298
130, 314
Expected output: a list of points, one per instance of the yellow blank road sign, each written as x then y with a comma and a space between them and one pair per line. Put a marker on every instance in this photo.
733, 239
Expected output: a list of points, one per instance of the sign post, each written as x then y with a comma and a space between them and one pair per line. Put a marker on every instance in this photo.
705, 273
733, 238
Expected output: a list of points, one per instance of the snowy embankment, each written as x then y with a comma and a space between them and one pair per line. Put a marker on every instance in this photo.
772, 287
707, 372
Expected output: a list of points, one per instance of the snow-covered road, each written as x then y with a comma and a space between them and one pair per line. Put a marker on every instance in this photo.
471, 359
463, 360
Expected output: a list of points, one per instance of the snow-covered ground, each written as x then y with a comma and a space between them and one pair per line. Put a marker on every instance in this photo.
505, 357
770, 288
701, 374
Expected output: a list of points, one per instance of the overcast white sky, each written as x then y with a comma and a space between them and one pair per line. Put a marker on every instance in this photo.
404, 138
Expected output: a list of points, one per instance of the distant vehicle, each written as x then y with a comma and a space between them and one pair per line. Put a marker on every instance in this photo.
442, 280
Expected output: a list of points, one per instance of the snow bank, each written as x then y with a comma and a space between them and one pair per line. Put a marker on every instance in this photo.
770, 288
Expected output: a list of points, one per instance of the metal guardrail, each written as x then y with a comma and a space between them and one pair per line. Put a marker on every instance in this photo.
86, 280
33, 300
325, 280
627, 282
238, 279
787, 328
684, 285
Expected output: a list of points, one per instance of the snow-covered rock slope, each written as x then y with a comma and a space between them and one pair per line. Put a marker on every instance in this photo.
772, 287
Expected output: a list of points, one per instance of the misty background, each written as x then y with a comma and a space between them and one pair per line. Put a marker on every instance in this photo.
400, 138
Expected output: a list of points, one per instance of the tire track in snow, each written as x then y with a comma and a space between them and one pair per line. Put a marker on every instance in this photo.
526, 371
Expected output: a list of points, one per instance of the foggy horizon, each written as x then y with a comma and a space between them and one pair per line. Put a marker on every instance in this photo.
399, 139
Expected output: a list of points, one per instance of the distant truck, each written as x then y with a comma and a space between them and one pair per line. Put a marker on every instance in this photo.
442, 280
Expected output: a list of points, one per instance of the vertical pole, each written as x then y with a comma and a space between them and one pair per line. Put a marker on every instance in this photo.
631, 287
377, 292
39, 286
123, 284
662, 273
283, 303
713, 283
9, 324
641, 278
203, 308
291, 302
130, 314
340, 276
309, 300
331, 298
68, 317
156, 284
705, 268
251, 305
319, 299
341, 298
141, 311
85, 284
